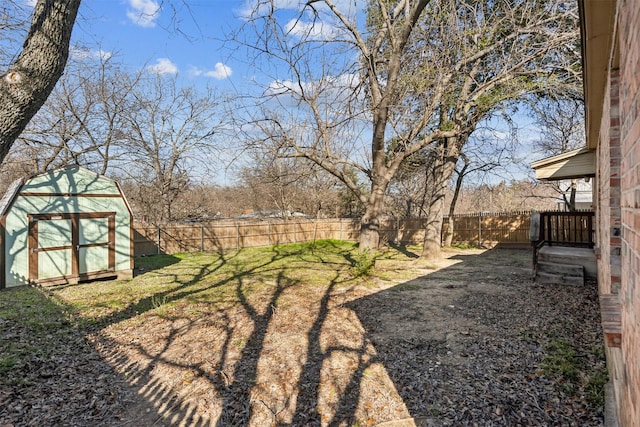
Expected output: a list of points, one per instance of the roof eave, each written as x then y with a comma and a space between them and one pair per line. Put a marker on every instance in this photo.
575, 164
597, 22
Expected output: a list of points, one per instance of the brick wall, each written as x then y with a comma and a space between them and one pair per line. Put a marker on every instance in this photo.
608, 221
618, 210
629, 42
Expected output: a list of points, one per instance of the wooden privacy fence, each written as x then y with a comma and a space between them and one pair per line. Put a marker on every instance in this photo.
225, 235
486, 229
491, 229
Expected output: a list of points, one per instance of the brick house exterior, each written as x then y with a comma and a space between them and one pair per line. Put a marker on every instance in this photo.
611, 59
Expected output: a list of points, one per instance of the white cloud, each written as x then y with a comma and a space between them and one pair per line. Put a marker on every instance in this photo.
220, 71
31, 3
336, 88
89, 54
281, 87
311, 30
259, 8
163, 66
195, 71
305, 20
143, 12
103, 54
254, 8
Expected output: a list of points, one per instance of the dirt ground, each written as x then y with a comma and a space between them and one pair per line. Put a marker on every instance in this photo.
473, 342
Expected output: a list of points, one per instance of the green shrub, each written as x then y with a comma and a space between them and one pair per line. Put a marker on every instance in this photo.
363, 264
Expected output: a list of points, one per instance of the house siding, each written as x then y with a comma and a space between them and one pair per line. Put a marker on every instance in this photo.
618, 210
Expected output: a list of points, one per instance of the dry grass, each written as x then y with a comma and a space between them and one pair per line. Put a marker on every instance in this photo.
301, 335
257, 336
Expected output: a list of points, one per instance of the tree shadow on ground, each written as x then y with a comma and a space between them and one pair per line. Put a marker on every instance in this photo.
161, 404
404, 250
234, 383
145, 264
445, 340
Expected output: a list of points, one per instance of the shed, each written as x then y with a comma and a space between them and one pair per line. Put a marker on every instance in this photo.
64, 226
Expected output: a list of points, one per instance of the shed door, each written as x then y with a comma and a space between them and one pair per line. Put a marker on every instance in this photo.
71, 246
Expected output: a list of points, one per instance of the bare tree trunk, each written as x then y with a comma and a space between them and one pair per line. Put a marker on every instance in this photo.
432, 236
30, 79
448, 235
447, 239
569, 202
370, 222
442, 171
165, 216
572, 197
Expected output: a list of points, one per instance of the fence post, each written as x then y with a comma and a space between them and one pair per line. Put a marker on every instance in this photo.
237, 236
480, 230
159, 241
201, 237
268, 233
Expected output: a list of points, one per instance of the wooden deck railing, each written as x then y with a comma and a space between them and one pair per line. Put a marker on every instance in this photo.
567, 228
574, 229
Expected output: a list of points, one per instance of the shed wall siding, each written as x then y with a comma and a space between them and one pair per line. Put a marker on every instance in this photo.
38, 196
16, 252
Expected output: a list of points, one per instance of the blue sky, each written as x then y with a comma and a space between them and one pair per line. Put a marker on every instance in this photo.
164, 36
184, 37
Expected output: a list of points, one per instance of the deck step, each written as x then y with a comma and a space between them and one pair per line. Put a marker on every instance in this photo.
563, 269
566, 274
568, 255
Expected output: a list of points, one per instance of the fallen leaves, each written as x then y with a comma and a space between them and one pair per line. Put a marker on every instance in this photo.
445, 348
